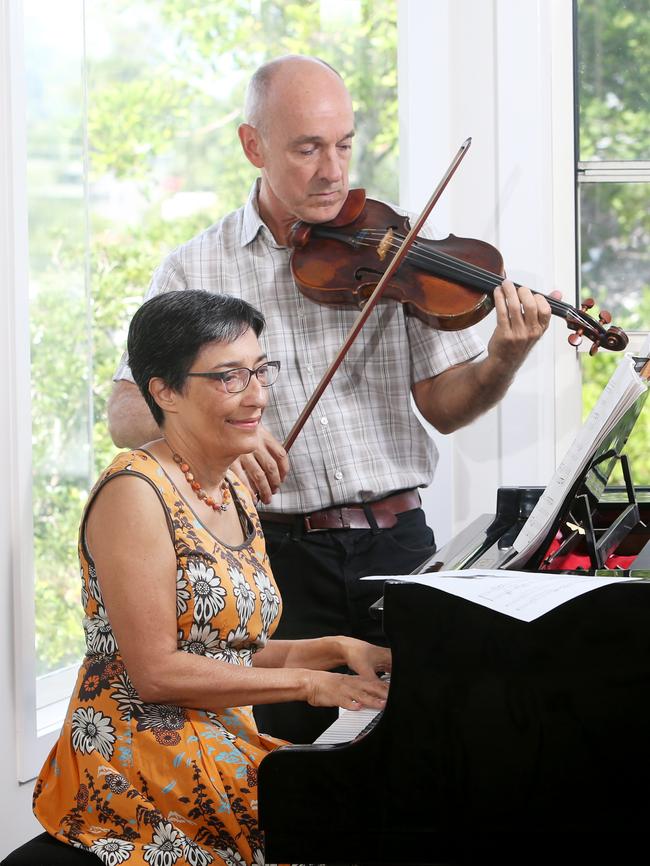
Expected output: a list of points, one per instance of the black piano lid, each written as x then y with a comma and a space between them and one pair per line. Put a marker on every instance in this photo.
501, 742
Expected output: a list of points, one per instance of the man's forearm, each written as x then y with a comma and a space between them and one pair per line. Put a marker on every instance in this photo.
130, 423
461, 394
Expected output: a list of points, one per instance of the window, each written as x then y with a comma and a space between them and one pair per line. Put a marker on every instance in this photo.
132, 110
613, 97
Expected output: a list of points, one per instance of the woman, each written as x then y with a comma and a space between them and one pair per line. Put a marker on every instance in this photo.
157, 759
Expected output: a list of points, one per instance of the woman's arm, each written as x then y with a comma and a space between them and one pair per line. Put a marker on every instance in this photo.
130, 544
325, 653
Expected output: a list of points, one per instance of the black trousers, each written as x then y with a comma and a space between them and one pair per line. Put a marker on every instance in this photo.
318, 574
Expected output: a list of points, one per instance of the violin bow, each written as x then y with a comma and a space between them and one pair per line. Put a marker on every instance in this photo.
375, 296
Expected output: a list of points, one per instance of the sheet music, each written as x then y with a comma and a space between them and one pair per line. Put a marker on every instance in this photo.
622, 390
518, 594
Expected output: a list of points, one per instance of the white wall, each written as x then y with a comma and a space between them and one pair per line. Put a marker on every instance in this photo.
498, 71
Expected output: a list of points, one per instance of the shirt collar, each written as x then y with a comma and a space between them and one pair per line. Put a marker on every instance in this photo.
252, 223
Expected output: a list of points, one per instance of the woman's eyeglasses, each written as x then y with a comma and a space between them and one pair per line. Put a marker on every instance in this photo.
237, 380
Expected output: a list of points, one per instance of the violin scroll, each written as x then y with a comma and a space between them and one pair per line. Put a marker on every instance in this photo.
614, 339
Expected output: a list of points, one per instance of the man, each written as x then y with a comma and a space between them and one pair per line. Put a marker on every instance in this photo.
363, 447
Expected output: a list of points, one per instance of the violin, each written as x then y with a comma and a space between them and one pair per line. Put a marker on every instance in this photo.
448, 284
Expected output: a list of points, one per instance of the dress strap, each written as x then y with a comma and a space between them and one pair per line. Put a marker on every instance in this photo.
138, 463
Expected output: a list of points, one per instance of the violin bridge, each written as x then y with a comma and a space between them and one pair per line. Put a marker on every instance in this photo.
385, 244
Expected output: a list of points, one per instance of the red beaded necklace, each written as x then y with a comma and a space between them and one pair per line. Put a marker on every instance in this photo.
200, 492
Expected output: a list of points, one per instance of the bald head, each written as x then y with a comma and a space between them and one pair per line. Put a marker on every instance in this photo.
283, 78
298, 132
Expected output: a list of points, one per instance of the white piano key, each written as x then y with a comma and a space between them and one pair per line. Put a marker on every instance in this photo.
348, 725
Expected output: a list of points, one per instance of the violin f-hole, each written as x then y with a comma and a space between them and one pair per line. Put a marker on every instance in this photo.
362, 294
363, 273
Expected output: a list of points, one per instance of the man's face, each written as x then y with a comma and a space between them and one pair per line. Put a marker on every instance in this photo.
305, 149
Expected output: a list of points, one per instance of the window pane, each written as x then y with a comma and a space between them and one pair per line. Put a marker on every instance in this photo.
153, 160
60, 340
614, 79
614, 114
615, 250
615, 271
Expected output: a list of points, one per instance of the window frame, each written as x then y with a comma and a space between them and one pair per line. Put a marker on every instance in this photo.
601, 171
607, 171
31, 744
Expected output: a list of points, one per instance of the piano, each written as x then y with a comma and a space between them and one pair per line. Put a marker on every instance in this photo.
501, 741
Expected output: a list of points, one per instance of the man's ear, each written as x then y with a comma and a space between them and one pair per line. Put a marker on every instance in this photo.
165, 397
251, 144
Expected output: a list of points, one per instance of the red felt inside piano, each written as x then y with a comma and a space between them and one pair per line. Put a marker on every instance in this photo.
580, 560
625, 552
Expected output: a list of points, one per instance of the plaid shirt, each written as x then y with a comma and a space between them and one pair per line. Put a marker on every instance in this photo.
363, 440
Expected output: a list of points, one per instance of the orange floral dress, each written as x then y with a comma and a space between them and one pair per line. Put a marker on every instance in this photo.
141, 783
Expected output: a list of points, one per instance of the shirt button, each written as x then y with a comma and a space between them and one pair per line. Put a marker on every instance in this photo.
338, 475
310, 369
324, 421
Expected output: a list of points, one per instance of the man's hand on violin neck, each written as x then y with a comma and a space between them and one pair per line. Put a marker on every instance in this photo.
522, 318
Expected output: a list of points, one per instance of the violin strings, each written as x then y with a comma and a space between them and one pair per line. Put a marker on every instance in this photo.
477, 277
487, 279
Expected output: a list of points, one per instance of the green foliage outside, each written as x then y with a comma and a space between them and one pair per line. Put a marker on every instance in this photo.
614, 71
614, 103
165, 85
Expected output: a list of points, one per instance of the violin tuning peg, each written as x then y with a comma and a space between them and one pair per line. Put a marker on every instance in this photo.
587, 304
604, 317
575, 339
594, 347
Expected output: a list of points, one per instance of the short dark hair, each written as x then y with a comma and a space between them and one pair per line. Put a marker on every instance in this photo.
169, 330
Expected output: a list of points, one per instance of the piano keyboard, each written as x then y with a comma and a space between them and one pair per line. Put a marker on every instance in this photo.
349, 725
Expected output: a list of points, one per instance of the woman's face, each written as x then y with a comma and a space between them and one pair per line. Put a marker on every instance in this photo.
209, 412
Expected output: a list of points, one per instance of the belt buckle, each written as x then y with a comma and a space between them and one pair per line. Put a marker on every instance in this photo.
329, 516
309, 527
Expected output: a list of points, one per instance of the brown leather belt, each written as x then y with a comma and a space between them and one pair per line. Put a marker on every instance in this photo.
384, 511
